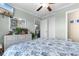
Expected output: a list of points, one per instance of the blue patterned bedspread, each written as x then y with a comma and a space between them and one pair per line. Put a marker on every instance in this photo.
42, 47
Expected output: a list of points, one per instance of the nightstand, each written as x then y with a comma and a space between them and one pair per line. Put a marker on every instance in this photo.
1, 49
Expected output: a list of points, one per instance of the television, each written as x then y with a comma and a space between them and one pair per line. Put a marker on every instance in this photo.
6, 9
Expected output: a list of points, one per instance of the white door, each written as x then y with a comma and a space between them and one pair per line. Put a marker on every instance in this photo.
73, 25
47, 28
43, 28
52, 27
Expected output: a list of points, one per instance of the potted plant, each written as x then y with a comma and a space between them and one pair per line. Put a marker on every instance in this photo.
33, 35
18, 30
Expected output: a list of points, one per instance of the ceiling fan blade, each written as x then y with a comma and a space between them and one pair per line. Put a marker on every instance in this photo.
39, 8
51, 3
49, 8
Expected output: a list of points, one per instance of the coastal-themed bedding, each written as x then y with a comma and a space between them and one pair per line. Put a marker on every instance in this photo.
43, 47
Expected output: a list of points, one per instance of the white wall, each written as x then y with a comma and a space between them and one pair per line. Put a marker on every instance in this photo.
30, 19
60, 22
4, 26
4, 22
60, 25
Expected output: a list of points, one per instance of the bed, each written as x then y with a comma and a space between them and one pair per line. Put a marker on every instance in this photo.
43, 47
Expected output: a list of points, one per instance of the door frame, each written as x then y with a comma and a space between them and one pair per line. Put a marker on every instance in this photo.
67, 12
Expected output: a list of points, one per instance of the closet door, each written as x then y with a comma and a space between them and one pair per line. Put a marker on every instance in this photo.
47, 27
51, 27
43, 28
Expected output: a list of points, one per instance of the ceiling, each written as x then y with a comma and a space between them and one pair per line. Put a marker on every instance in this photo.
31, 8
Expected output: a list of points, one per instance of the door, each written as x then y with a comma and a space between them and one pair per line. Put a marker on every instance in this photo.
51, 27
73, 25
43, 29
48, 28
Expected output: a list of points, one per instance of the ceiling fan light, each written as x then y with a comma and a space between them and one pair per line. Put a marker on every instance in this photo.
44, 4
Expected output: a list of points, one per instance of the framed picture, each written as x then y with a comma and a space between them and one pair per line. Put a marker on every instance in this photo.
13, 23
21, 23
16, 22
72, 21
77, 20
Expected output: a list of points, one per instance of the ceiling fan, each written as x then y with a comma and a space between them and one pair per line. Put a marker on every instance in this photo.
47, 5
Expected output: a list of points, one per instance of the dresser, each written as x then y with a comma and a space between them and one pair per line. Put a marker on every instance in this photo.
14, 39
